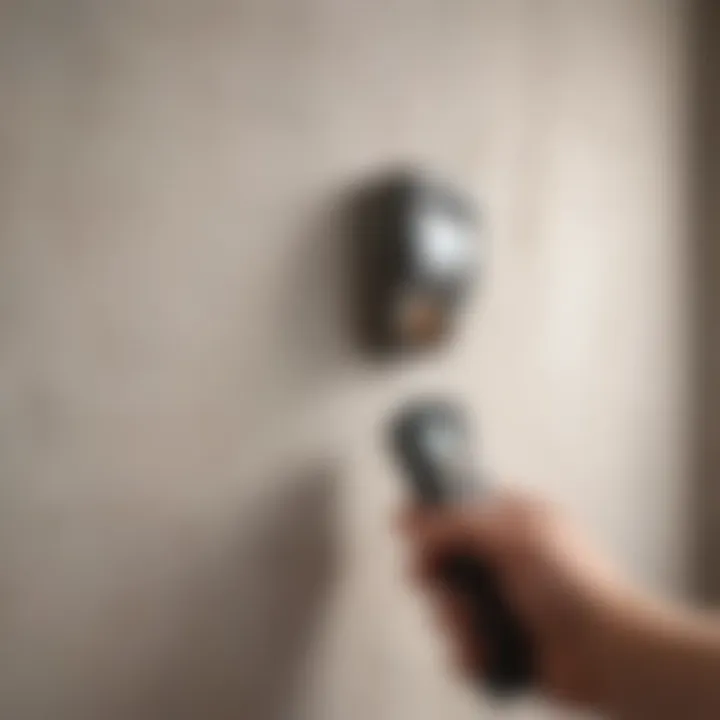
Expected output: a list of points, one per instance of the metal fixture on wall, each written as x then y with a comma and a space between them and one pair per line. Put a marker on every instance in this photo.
415, 261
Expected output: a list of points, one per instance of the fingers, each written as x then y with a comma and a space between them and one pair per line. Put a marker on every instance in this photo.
434, 534
454, 619
493, 528
443, 528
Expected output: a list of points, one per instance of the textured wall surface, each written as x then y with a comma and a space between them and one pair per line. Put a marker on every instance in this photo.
194, 497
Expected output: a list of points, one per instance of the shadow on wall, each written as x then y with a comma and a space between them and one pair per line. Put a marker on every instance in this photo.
309, 344
315, 301
250, 625
321, 323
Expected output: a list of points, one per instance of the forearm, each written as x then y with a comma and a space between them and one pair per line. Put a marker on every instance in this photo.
666, 666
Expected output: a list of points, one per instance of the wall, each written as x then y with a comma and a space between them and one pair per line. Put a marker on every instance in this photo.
195, 501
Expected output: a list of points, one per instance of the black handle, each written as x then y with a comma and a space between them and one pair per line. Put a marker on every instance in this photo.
509, 661
432, 442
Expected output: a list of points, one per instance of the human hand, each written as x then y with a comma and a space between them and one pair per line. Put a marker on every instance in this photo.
570, 601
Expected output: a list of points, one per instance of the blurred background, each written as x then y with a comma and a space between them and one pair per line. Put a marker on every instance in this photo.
195, 497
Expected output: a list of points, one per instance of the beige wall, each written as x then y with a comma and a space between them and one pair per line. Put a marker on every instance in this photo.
188, 447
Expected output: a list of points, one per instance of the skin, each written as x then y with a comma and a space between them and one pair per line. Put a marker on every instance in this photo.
601, 644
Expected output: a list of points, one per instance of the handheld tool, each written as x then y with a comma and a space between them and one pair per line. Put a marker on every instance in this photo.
433, 445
